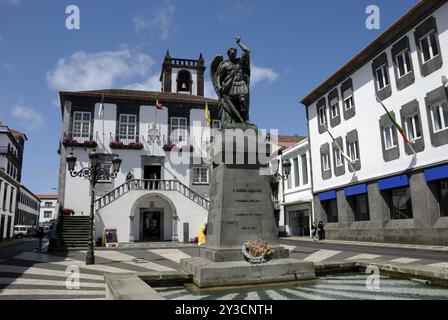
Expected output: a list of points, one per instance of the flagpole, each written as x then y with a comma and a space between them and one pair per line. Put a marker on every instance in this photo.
350, 161
405, 138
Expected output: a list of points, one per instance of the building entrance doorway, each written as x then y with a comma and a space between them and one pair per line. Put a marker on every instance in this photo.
299, 223
151, 226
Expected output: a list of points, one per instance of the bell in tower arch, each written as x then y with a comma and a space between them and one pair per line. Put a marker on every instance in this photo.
183, 81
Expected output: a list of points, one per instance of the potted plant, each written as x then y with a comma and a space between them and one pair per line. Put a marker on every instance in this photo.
169, 147
257, 251
68, 142
90, 144
67, 212
135, 146
116, 145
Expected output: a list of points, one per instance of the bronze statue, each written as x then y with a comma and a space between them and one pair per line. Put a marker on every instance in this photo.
231, 80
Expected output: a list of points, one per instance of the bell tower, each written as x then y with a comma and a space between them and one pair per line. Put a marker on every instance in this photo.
183, 75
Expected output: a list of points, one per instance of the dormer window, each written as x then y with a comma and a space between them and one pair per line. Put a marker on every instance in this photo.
184, 81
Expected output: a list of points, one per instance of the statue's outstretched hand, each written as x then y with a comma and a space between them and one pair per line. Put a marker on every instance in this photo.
238, 39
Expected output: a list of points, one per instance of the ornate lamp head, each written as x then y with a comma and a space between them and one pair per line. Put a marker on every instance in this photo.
116, 162
71, 162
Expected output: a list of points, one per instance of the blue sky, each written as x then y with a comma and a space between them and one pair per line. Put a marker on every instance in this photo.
295, 46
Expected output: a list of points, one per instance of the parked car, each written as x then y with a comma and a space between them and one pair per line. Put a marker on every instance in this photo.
21, 231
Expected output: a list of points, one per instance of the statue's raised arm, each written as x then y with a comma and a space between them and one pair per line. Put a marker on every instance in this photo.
231, 81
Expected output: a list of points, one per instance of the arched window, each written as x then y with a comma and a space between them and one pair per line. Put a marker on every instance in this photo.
184, 81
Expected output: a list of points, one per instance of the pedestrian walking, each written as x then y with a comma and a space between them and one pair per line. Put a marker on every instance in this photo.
53, 238
129, 177
40, 236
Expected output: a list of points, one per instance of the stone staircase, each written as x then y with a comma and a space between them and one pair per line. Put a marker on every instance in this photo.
74, 231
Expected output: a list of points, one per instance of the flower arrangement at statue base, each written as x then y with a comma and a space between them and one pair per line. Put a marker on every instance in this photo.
257, 251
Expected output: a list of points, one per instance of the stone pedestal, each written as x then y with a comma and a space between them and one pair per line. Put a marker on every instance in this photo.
241, 209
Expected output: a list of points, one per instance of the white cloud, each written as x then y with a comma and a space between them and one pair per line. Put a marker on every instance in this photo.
259, 74
90, 71
152, 83
27, 117
161, 21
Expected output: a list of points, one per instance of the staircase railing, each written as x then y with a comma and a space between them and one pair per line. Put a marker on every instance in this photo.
151, 185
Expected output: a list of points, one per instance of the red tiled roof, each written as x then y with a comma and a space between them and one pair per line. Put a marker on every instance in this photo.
47, 196
289, 141
148, 96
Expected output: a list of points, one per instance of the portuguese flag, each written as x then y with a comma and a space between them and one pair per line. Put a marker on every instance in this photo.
394, 122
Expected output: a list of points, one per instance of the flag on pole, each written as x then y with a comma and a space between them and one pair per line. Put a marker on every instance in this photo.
392, 119
396, 125
159, 106
101, 110
208, 119
343, 154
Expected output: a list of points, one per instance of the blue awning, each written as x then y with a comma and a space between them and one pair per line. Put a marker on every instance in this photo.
393, 182
355, 190
437, 173
329, 195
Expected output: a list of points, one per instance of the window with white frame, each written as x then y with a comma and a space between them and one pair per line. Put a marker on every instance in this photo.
413, 130
338, 157
334, 110
81, 124
322, 116
352, 148
382, 77
200, 175
348, 103
127, 128
178, 130
429, 46
304, 162
403, 61
390, 141
48, 214
296, 172
325, 161
439, 114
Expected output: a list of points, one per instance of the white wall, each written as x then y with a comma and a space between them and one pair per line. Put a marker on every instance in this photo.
368, 113
116, 215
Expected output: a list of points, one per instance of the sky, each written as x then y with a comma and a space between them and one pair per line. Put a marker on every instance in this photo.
295, 45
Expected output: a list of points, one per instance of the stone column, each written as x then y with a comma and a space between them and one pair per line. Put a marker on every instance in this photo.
175, 237
131, 229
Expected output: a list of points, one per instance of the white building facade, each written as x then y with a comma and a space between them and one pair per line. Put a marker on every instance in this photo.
160, 146
11, 155
294, 197
386, 192
28, 206
49, 208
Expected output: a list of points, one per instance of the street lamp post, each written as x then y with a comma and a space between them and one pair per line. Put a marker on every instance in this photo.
93, 173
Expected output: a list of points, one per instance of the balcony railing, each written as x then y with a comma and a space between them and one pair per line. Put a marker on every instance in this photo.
151, 185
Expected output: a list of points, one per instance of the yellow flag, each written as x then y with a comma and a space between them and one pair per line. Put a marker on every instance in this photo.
208, 120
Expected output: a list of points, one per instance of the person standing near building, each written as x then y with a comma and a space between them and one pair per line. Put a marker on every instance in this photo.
313, 231
320, 230
52, 238
40, 236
